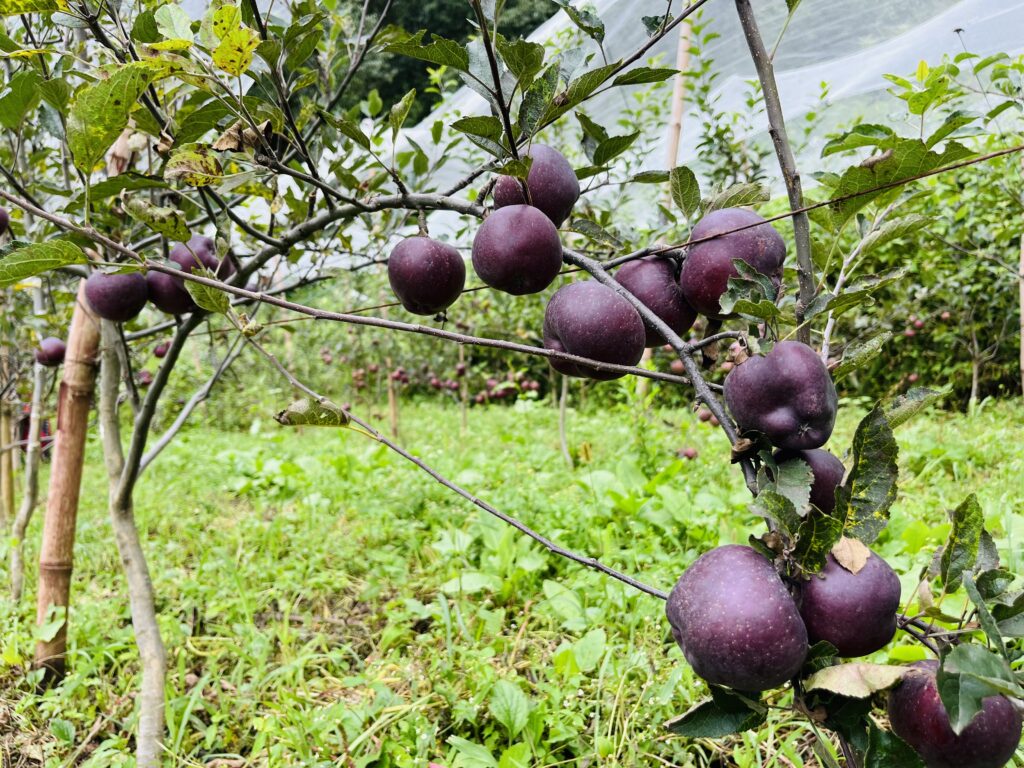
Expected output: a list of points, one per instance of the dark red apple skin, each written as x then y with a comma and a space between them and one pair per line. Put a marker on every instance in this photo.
51, 352
591, 320
427, 276
517, 250
5, 221
736, 622
118, 297
168, 293
553, 185
161, 349
827, 472
856, 612
653, 281
205, 250
708, 265
787, 395
917, 716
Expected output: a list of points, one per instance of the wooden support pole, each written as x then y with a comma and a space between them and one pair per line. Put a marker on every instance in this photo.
7, 464
57, 549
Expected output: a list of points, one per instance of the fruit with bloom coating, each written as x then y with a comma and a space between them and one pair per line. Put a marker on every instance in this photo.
51, 352
787, 395
708, 266
554, 188
201, 251
827, 473
736, 622
652, 281
118, 297
517, 250
856, 612
593, 321
168, 293
161, 349
5, 220
426, 275
918, 716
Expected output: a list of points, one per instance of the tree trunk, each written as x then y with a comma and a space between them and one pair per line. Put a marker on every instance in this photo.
31, 495
975, 380
153, 657
563, 407
6, 464
56, 552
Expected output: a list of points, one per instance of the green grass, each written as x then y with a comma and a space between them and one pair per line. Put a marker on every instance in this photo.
325, 603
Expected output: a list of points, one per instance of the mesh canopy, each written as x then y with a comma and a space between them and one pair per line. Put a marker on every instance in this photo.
848, 44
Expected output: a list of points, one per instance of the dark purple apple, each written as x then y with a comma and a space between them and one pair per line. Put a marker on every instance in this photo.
51, 352
517, 250
653, 281
161, 349
118, 297
735, 621
5, 220
427, 276
856, 612
144, 378
708, 266
826, 470
593, 321
553, 185
788, 396
168, 293
918, 716
201, 251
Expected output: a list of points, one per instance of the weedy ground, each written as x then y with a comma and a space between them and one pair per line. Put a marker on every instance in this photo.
325, 603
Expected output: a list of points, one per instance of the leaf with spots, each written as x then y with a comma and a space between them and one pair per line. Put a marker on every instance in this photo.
312, 413
234, 54
27, 260
961, 550
725, 713
164, 220
18, 7
195, 165
863, 501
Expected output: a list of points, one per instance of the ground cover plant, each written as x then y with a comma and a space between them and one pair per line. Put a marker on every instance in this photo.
188, 179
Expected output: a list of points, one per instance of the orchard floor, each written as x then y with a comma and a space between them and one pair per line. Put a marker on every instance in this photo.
325, 603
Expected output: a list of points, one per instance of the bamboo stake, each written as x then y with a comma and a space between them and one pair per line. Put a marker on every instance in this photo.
56, 552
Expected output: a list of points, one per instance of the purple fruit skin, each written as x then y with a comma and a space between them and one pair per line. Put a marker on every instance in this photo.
827, 471
736, 622
856, 612
51, 352
708, 266
591, 320
787, 395
168, 293
206, 251
5, 220
117, 297
517, 250
427, 276
653, 281
918, 716
553, 185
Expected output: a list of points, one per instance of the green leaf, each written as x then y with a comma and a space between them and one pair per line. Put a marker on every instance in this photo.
537, 100
863, 135
167, 221
613, 147
644, 75
772, 505
523, 59
685, 189
486, 126
893, 230
738, 195
347, 128
312, 413
19, 98
63, 730
985, 619
36, 258
438, 51
100, 112
195, 165
651, 177
969, 674
206, 296
887, 750
471, 754
578, 91
235, 51
510, 707
586, 20
589, 649
400, 111
129, 181
172, 22
594, 231
18, 7
857, 355
815, 537
857, 680
961, 549
862, 291
470, 583
904, 407
863, 501
517, 756
724, 714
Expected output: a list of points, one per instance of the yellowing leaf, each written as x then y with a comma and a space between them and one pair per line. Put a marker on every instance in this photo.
18, 7
311, 413
851, 554
857, 680
195, 165
226, 19
234, 54
176, 44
